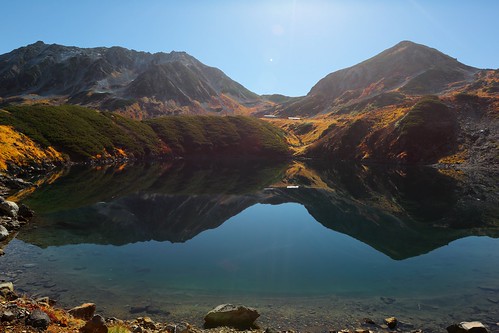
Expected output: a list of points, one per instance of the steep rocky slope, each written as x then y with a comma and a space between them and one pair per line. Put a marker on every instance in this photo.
139, 84
408, 68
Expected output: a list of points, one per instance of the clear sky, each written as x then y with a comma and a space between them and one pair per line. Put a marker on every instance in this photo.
281, 46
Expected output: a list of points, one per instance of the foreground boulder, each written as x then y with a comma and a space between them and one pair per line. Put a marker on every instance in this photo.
8, 208
38, 319
4, 233
467, 327
230, 315
84, 311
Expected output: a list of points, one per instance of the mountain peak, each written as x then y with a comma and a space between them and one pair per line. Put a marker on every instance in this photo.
407, 46
38, 43
406, 43
391, 69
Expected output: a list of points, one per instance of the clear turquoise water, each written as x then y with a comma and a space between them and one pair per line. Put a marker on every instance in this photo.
277, 257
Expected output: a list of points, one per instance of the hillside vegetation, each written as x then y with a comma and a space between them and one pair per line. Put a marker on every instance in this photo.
423, 133
231, 136
84, 134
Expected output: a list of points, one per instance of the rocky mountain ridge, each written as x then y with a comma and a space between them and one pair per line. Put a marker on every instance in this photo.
405, 69
139, 84
410, 104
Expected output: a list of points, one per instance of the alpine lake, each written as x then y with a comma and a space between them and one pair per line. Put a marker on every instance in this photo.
311, 247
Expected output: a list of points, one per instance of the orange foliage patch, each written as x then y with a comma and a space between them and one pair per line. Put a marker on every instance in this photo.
18, 149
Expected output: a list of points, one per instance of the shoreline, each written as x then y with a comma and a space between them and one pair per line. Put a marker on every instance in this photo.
15, 311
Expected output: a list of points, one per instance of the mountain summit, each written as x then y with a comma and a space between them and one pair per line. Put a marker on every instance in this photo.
407, 68
116, 78
396, 67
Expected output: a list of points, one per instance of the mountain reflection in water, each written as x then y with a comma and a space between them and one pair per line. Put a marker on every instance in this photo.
400, 212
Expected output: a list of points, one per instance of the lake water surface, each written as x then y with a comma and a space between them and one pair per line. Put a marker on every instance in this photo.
343, 243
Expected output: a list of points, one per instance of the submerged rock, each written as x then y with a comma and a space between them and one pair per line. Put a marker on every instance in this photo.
84, 311
231, 315
38, 319
467, 327
368, 321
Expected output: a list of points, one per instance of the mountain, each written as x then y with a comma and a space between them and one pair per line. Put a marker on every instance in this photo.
139, 84
407, 68
410, 104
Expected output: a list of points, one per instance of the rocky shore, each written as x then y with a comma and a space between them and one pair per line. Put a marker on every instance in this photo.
20, 314
12, 215
23, 314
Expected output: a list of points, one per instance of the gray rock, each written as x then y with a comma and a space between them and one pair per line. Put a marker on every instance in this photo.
4, 233
84, 311
25, 213
12, 225
467, 327
230, 315
7, 285
38, 319
96, 325
8, 316
6, 291
8, 208
181, 328
46, 300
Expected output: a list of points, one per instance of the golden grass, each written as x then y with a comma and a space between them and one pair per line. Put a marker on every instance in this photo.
458, 158
18, 149
298, 142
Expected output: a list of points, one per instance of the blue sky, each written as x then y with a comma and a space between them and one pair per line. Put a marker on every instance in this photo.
281, 46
